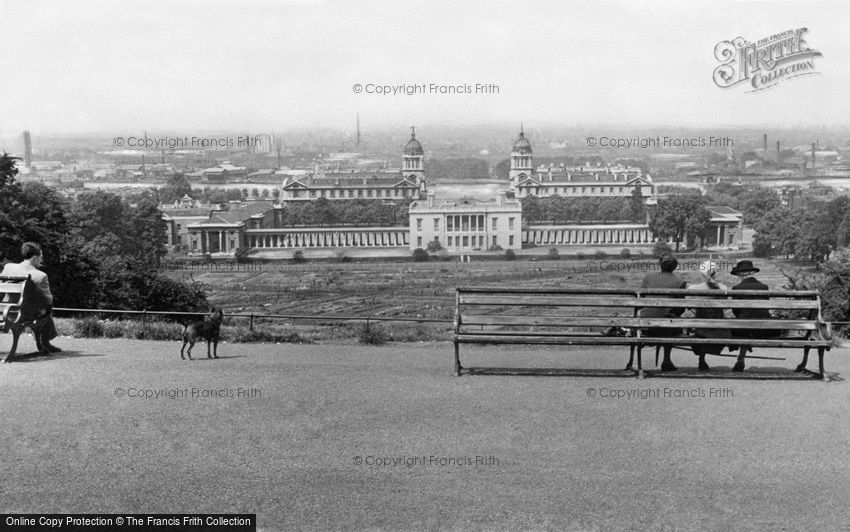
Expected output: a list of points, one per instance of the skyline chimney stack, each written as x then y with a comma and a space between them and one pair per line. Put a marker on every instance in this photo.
27, 150
765, 142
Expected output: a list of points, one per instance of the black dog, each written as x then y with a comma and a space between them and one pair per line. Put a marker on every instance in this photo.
209, 330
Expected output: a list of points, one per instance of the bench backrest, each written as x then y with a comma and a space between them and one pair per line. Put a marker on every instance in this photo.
554, 311
19, 300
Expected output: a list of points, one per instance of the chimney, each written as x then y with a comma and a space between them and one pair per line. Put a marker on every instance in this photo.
430, 199
765, 142
569, 176
501, 198
813, 155
27, 150
597, 176
778, 152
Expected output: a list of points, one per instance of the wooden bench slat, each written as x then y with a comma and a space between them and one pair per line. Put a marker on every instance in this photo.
604, 338
591, 340
625, 302
794, 294
641, 323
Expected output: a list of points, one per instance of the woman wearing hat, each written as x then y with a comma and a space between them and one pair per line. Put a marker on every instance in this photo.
746, 272
708, 270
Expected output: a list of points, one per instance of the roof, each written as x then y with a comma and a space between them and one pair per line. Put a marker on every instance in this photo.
238, 214
351, 181
720, 213
568, 178
521, 145
179, 213
413, 146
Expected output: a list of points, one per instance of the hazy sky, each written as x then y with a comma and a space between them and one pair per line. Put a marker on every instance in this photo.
120, 67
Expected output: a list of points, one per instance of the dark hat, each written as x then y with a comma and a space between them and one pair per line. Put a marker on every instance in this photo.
668, 263
744, 266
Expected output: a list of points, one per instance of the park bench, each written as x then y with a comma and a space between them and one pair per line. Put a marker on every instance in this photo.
19, 306
575, 316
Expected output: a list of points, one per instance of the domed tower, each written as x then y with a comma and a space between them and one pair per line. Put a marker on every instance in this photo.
522, 164
413, 165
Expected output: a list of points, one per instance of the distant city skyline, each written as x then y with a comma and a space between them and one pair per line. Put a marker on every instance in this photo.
110, 68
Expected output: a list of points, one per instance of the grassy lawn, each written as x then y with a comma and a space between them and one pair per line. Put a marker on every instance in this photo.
761, 455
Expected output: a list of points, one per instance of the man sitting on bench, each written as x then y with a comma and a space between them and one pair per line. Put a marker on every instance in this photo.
663, 279
43, 328
746, 272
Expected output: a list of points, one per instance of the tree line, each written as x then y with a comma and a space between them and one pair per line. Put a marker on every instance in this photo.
100, 251
562, 210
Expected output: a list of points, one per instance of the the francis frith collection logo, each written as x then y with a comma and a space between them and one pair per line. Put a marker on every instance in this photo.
766, 62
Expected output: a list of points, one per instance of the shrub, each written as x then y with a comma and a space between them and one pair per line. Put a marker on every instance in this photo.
553, 254
342, 257
510, 255
88, 328
434, 246
298, 257
420, 255
580, 255
495, 248
241, 255
443, 255
372, 334
600, 254
113, 329
625, 253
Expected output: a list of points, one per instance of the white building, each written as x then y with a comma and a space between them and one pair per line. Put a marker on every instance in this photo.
581, 181
407, 183
466, 224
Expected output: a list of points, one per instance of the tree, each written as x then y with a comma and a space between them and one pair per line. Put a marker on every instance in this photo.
420, 255
778, 231
637, 210
174, 190
677, 215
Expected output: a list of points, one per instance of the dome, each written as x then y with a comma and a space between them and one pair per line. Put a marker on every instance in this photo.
413, 147
522, 145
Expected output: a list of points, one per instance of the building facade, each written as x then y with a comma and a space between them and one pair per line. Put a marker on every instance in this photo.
466, 224
581, 181
407, 183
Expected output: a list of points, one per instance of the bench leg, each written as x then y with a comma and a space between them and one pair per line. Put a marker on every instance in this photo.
821, 351
640, 362
802, 366
631, 357
16, 335
457, 359
657, 350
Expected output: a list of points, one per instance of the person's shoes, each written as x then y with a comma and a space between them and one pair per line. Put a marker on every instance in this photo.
668, 367
50, 348
739, 366
703, 366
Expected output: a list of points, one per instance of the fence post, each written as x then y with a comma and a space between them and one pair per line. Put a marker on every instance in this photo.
251, 325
